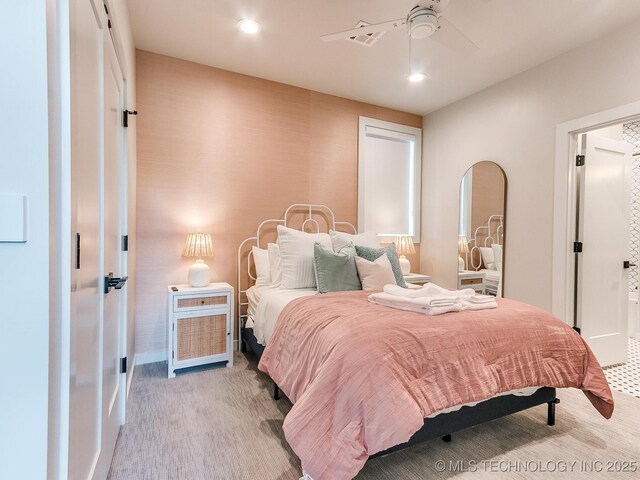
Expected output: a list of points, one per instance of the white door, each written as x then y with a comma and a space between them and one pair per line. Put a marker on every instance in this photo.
113, 382
604, 202
86, 295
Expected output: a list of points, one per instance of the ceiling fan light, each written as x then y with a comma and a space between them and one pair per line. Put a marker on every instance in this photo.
417, 77
249, 26
423, 23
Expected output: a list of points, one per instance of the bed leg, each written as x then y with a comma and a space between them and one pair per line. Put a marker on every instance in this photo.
276, 391
551, 412
446, 438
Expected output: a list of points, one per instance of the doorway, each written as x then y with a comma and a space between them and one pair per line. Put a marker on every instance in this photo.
570, 138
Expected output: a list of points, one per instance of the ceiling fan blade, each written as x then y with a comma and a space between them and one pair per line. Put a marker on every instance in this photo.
449, 36
354, 32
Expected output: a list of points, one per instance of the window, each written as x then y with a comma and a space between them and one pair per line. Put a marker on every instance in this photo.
389, 158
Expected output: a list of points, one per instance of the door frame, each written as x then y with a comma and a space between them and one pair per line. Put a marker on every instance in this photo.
564, 201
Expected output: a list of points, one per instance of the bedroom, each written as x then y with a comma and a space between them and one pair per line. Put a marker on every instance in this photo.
227, 129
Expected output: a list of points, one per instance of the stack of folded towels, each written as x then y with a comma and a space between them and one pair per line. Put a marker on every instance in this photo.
432, 299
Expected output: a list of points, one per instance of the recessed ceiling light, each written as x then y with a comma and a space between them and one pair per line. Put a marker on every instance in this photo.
249, 26
417, 77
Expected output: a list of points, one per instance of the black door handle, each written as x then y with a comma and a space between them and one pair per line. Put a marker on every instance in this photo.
114, 282
627, 264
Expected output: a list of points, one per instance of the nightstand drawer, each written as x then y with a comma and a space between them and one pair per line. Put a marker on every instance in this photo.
471, 281
200, 302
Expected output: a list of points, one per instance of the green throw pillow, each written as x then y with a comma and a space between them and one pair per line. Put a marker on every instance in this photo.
335, 272
372, 254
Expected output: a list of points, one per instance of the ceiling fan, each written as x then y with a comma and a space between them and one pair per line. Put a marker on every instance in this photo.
425, 20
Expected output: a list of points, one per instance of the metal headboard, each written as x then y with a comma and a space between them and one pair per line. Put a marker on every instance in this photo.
485, 236
309, 210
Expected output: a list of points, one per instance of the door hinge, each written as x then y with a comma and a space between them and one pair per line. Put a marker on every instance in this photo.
125, 243
173, 354
579, 160
123, 365
577, 247
125, 116
77, 251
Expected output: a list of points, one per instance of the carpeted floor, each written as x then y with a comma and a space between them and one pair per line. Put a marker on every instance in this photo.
221, 423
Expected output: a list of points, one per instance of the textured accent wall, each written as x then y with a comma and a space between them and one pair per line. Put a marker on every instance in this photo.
218, 152
631, 134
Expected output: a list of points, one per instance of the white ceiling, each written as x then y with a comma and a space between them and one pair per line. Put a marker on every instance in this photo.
513, 36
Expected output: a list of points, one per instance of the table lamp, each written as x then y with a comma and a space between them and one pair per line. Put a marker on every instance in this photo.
404, 245
198, 246
463, 249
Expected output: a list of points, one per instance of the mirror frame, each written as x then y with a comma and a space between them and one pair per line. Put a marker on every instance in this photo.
504, 220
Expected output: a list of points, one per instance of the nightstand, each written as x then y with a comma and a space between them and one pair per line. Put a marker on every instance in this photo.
416, 278
471, 279
199, 321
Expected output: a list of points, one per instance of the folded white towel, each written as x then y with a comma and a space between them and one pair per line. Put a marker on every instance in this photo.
432, 299
414, 307
481, 299
478, 306
398, 291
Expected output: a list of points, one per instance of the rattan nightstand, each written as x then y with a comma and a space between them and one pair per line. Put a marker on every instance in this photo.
199, 326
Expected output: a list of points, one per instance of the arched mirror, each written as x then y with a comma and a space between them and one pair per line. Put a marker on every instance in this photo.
481, 231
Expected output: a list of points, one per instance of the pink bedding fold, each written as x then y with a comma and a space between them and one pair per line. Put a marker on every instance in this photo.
363, 376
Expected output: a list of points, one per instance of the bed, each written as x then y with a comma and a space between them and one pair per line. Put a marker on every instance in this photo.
297, 335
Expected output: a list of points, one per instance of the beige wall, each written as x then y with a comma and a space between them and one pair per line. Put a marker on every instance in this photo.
219, 152
513, 123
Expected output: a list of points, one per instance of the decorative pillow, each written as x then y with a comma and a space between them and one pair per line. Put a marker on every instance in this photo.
261, 262
335, 272
487, 256
296, 251
375, 275
275, 263
497, 254
372, 254
341, 240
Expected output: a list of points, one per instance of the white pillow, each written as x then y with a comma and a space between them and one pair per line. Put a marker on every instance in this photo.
487, 256
261, 261
296, 251
339, 240
497, 254
275, 263
375, 275
491, 266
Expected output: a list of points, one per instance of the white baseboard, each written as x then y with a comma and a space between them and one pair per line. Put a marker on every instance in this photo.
151, 357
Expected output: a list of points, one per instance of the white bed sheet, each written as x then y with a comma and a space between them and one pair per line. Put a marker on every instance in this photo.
491, 280
270, 304
254, 294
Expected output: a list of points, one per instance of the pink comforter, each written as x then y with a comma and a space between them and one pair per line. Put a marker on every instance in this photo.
363, 377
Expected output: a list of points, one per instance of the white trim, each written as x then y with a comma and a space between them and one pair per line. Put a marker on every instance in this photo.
564, 201
151, 357
371, 127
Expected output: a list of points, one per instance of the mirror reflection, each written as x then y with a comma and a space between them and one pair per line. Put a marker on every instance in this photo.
481, 231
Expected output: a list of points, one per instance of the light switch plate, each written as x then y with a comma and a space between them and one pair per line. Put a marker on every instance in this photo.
13, 218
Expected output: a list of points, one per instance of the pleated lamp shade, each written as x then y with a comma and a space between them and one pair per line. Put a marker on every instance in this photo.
198, 246
404, 245
463, 245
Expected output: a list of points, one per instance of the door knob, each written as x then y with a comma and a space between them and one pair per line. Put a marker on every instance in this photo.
113, 282
627, 264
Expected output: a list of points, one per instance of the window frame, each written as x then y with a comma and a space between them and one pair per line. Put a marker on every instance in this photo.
371, 127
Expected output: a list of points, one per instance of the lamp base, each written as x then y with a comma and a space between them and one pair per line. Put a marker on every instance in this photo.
199, 274
405, 265
460, 264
